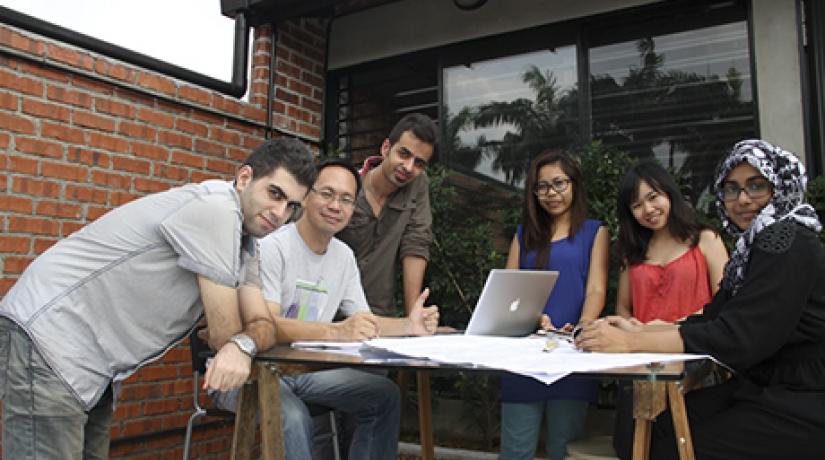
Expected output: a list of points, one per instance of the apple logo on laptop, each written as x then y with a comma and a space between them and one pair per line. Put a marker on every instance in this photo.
515, 304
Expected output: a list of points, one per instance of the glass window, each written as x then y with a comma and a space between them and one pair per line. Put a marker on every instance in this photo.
683, 98
500, 113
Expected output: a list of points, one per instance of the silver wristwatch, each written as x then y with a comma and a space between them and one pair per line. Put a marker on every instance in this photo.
245, 343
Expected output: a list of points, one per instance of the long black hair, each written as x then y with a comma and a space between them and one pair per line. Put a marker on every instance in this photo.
538, 225
681, 222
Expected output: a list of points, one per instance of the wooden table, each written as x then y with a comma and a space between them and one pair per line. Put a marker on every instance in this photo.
654, 387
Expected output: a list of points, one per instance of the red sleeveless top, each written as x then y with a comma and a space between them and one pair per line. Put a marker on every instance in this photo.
671, 291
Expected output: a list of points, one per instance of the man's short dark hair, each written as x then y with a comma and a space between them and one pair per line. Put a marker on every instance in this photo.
346, 165
284, 152
420, 125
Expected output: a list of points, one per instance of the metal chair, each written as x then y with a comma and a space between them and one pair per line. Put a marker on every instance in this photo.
200, 354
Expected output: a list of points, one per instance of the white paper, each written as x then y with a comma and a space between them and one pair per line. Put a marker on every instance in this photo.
525, 356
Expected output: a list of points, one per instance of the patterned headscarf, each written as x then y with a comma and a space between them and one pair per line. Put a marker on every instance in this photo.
787, 175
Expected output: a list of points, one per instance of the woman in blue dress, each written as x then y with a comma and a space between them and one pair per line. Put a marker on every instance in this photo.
555, 234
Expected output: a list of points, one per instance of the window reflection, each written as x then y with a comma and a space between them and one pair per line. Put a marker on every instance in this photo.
500, 113
683, 98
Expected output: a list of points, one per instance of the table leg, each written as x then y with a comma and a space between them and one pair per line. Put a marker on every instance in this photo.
425, 416
649, 400
681, 428
269, 397
243, 437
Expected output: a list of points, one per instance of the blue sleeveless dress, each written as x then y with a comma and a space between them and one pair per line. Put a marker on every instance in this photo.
571, 258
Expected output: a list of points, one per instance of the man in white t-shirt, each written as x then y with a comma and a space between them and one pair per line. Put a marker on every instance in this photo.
307, 277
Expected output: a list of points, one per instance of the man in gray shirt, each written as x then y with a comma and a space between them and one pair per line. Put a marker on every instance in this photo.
120, 292
308, 276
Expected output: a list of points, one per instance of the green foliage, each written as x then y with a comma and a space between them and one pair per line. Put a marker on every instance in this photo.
602, 168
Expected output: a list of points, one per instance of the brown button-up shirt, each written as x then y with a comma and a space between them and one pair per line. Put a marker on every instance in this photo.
404, 228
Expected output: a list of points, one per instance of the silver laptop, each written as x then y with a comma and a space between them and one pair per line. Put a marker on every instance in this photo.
511, 302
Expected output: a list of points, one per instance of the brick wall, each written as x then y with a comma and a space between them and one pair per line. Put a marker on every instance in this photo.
81, 133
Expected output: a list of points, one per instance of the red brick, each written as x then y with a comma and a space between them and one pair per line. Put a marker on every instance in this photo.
121, 198
8, 101
137, 130
16, 264
61, 132
226, 104
35, 187
149, 151
16, 123
225, 136
187, 159
174, 108
252, 142
6, 283
38, 147
15, 204
155, 118
93, 212
90, 120
188, 126
310, 104
222, 166
238, 155
209, 148
173, 139
210, 118
136, 427
85, 194
43, 244
35, 225
5, 139
157, 83
114, 70
15, 40
14, 244
47, 72
21, 164
43, 110
89, 157
194, 94
71, 57
58, 209
64, 171
285, 96
10, 81
149, 185
67, 228
92, 85
110, 143
200, 176
69, 96
298, 114
254, 113
127, 411
170, 172
160, 407
111, 107
118, 181
131, 164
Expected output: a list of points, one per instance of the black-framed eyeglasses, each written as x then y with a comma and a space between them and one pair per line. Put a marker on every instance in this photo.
755, 188
328, 195
558, 185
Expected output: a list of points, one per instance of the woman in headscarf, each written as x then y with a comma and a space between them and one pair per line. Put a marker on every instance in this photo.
767, 323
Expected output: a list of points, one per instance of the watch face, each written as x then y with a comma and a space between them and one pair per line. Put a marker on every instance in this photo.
245, 343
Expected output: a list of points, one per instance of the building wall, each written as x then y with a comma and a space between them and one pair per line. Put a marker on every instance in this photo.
82, 133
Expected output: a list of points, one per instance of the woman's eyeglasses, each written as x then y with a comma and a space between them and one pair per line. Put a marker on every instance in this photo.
557, 185
755, 189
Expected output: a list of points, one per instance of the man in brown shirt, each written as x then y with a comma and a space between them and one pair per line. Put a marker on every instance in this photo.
392, 219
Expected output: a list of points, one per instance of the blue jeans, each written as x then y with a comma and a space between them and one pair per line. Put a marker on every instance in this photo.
521, 422
372, 401
42, 419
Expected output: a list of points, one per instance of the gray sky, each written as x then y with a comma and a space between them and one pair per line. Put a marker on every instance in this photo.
188, 33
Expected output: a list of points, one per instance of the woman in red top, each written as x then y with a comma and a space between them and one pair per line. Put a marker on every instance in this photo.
671, 264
